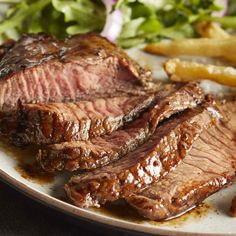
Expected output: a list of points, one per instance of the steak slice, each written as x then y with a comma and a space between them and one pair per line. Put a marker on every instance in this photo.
59, 122
40, 68
147, 164
100, 151
209, 166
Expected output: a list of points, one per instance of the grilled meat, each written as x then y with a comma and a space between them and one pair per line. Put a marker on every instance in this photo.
147, 164
209, 166
100, 151
43, 123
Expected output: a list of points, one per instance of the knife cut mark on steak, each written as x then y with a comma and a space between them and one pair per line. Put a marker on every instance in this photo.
39, 68
100, 151
147, 164
59, 122
209, 166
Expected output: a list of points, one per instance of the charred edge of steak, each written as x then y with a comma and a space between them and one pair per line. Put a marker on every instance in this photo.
164, 150
60, 122
101, 151
20, 51
4, 48
186, 96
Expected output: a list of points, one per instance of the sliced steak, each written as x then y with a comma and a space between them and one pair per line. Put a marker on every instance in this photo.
100, 151
154, 159
59, 122
209, 166
39, 68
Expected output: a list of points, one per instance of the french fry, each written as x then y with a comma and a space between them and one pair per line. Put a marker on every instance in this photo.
211, 30
195, 47
184, 71
231, 59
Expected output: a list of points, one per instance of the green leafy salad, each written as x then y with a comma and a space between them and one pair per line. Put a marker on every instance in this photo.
127, 22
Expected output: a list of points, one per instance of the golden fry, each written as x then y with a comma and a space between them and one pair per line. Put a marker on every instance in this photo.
185, 71
195, 47
231, 59
211, 30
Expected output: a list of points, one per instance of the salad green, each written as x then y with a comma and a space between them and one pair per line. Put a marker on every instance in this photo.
143, 20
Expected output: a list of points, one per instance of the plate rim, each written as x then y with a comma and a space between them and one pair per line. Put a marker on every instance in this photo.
92, 217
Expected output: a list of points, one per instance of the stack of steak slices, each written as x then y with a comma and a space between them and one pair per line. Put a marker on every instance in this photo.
99, 151
88, 106
147, 164
208, 167
190, 156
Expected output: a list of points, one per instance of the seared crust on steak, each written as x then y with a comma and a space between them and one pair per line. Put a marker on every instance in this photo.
4, 48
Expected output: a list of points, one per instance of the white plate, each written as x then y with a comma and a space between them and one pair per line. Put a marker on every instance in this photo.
210, 219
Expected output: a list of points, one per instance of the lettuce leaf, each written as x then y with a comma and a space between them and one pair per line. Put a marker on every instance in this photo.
162, 19
143, 20
58, 17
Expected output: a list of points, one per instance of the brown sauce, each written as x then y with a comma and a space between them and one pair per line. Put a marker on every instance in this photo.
27, 166
121, 211
29, 169
34, 173
196, 214
233, 207
124, 212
